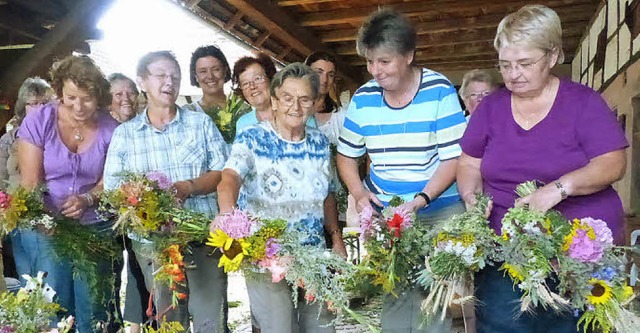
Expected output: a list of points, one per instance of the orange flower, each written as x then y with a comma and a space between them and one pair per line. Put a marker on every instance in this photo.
133, 201
309, 297
181, 295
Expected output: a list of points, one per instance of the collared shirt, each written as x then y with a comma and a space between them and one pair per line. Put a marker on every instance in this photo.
186, 148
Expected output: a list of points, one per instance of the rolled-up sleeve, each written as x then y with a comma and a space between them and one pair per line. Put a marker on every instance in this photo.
450, 125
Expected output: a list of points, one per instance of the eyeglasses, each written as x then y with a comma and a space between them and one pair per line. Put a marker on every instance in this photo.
288, 100
256, 81
163, 77
479, 95
524, 65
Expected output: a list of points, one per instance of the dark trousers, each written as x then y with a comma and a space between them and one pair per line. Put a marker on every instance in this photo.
498, 308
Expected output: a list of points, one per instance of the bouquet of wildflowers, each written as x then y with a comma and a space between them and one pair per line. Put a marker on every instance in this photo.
21, 208
462, 245
266, 246
395, 247
226, 117
31, 309
530, 242
592, 273
142, 204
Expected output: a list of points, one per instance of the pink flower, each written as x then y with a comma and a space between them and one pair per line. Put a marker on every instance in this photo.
5, 200
237, 224
585, 249
272, 247
602, 231
366, 222
277, 267
163, 181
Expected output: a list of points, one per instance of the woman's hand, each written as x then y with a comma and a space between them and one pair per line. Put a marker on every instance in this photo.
543, 199
470, 201
74, 206
184, 189
366, 199
413, 205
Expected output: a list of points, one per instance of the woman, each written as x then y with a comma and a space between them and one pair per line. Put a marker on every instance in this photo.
124, 97
409, 121
186, 147
62, 146
269, 150
210, 70
476, 85
538, 127
328, 115
33, 94
252, 77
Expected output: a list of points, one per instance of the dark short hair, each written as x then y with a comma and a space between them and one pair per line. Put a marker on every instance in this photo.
121, 77
151, 57
296, 70
85, 74
208, 51
241, 65
320, 55
389, 29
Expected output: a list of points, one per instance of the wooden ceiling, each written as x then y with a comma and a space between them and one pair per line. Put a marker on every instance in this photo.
452, 34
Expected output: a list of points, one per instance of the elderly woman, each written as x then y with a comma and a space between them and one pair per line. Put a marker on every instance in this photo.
124, 97
268, 151
62, 146
409, 121
476, 85
210, 70
34, 93
539, 127
252, 76
188, 148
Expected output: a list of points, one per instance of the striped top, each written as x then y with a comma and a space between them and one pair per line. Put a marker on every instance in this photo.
406, 145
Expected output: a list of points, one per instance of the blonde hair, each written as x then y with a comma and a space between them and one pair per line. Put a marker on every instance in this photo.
532, 25
476, 75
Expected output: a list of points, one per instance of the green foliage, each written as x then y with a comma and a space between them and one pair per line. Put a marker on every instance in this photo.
26, 312
226, 117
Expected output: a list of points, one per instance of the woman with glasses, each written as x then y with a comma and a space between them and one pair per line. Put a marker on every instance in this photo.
251, 77
282, 166
476, 85
543, 128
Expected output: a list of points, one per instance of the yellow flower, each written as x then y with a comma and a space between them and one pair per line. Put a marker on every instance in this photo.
505, 236
513, 271
233, 250
600, 292
627, 292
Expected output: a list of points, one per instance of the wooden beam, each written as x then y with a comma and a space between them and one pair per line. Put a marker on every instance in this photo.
13, 27
278, 22
570, 14
286, 3
46, 8
68, 31
233, 20
423, 8
191, 3
284, 53
258, 42
457, 37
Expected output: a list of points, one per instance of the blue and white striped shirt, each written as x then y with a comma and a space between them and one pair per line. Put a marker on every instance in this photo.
406, 145
189, 146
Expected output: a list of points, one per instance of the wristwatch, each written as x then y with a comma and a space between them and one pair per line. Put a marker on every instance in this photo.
424, 196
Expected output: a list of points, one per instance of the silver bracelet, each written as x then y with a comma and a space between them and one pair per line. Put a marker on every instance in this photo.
563, 192
89, 198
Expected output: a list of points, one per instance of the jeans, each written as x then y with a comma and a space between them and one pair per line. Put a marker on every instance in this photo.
34, 252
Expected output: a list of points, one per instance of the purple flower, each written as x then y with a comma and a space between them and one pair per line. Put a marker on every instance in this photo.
585, 249
237, 224
272, 247
366, 222
163, 181
602, 231
7, 329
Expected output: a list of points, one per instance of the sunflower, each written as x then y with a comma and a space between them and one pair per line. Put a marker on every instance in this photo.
233, 250
514, 272
600, 292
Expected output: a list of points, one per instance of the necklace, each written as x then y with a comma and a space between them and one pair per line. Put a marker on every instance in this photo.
77, 135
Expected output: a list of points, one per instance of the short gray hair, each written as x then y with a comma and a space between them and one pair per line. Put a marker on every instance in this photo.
143, 64
389, 29
31, 87
532, 25
476, 75
296, 70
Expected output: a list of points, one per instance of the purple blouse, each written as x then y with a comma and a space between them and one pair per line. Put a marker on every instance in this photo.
579, 127
67, 173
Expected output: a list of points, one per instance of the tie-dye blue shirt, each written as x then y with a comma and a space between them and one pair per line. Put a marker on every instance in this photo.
284, 179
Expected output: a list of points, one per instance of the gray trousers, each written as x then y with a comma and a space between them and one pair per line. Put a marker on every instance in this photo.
206, 284
403, 314
274, 311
